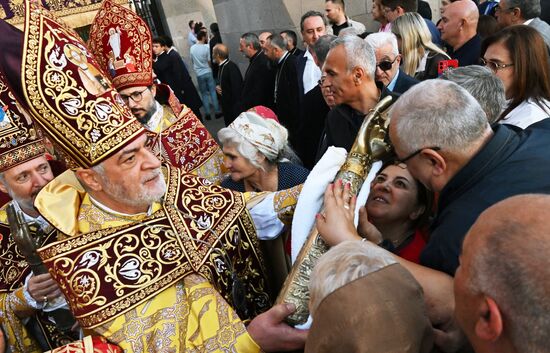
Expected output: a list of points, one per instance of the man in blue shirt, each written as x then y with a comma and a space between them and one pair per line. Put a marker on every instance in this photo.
200, 57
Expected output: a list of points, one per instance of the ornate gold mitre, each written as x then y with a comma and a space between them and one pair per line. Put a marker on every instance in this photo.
122, 44
70, 96
370, 145
19, 140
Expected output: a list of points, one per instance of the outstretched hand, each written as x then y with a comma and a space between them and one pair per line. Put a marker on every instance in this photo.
335, 223
272, 334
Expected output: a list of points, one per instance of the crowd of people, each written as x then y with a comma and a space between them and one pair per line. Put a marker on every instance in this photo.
130, 228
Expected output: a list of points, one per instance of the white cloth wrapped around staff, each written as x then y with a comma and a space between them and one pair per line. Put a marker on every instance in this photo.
311, 197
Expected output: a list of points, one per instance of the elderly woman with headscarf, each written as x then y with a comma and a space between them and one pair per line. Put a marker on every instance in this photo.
257, 152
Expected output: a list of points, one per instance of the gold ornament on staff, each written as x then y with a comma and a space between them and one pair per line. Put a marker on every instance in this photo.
371, 144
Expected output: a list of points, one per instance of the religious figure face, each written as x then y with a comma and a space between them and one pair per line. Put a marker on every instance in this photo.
129, 181
24, 181
142, 104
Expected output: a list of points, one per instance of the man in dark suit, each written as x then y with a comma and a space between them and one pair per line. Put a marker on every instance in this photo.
313, 110
387, 63
292, 41
230, 83
170, 69
258, 79
286, 91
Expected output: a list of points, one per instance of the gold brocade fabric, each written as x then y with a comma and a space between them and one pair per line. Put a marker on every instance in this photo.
185, 143
183, 313
13, 271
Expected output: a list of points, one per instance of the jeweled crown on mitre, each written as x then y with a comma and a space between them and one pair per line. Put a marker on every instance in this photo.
70, 97
20, 141
122, 44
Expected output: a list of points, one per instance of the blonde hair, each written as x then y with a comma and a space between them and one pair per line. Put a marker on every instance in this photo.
416, 39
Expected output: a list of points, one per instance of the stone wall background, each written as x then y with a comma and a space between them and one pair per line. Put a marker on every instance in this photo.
236, 17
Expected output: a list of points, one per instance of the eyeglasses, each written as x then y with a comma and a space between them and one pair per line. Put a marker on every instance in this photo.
386, 64
494, 66
136, 96
500, 9
404, 160
387, 9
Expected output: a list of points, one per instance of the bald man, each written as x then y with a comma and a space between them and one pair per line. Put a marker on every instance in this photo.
458, 28
503, 283
230, 83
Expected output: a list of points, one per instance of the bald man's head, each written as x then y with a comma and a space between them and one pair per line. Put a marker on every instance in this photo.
220, 52
459, 22
503, 279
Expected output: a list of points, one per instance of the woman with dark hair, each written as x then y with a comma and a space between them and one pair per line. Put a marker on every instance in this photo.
396, 212
519, 57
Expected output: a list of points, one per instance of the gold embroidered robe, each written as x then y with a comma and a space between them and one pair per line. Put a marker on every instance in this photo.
13, 272
188, 314
180, 139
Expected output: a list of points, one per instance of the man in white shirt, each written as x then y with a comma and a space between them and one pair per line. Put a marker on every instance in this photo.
313, 26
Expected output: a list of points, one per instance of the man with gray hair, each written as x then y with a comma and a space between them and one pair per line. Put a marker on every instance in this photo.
481, 83
357, 285
522, 12
314, 109
501, 287
388, 60
349, 79
448, 145
286, 90
258, 79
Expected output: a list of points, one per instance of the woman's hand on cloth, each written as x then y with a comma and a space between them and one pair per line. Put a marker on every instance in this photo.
335, 223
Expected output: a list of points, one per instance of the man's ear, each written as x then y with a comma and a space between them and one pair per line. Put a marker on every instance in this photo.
154, 90
358, 74
90, 178
489, 325
3, 187
439, 165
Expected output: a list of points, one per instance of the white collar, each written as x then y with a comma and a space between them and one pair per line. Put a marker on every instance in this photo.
528, 22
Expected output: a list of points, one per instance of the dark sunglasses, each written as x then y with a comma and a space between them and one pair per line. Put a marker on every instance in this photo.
386, 64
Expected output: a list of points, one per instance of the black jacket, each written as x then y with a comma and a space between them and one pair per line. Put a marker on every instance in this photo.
287, 100
171, 70
404, 82
509, 164
257, 84
343, 123
231, 81
313, 114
